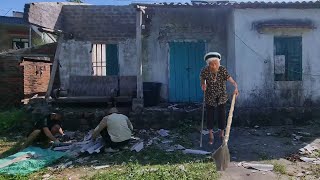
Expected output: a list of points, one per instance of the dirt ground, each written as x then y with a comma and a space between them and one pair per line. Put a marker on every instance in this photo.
263, 145
269, 145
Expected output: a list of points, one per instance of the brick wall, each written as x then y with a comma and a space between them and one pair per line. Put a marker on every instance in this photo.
100, 23
11, 82
36, 78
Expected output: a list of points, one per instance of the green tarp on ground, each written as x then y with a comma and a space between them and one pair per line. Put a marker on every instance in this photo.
41, 159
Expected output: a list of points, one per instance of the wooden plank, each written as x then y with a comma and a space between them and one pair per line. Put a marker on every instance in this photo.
54, 67
83, 99
92, 85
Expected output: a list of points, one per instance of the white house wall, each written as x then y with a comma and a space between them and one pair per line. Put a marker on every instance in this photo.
255, 73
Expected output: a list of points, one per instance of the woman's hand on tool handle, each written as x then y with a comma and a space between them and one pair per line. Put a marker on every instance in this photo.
236, 92
204, 87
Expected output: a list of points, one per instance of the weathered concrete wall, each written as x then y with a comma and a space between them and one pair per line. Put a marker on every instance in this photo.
255, 74
181, 24
44, 14
75, 60
128, 65
230, 65
100, 24
47, 14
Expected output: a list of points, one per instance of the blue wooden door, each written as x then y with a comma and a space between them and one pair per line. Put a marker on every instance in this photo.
186, 62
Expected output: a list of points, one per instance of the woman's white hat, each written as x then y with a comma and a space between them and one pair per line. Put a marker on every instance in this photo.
210, 55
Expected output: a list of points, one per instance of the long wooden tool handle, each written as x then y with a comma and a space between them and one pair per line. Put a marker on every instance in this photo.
226, 138
202, 118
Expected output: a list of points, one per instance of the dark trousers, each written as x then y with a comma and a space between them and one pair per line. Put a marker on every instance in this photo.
109, 143
221, 109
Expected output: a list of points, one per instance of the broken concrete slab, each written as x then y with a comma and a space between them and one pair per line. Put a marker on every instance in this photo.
137, 147
260, 167
163, 132
306, 159
308, 149
101, 167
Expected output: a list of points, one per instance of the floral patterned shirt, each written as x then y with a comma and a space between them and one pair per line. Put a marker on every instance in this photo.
216, 92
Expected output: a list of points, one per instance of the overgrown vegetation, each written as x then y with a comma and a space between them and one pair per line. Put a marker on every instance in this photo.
9, 119
279, 168
316, 170
156, 164
193, 170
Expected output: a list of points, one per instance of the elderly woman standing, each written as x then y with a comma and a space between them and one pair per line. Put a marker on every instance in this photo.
213, 82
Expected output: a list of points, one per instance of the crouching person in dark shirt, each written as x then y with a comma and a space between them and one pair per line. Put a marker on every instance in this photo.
45, 130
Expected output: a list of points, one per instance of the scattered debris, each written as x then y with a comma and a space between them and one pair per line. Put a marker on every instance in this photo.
65, 165
46, 176
300, 175
163, 132
70, 134
82, 160
308, 149
62, 148
182, 168
94, 161
173, 107
101, 167
167, 141
304, 133
192, 151
256, 126
260, 167
137, 147
192, 110
175, 147
306, 159
179, 147
268, 134
205, 132
149, 142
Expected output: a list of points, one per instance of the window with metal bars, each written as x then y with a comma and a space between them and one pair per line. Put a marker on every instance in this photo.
105, 59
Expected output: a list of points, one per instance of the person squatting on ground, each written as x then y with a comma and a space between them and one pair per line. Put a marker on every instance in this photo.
116, 130
45, 129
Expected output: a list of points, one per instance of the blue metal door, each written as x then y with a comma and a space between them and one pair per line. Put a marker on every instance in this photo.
186, 62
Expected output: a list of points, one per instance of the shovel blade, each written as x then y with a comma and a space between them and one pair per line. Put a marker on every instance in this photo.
222, 157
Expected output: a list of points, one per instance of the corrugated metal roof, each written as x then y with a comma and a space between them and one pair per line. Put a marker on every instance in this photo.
241, 4
12, 20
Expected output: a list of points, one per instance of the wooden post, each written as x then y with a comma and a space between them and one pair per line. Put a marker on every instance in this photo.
139, 52
54, 67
